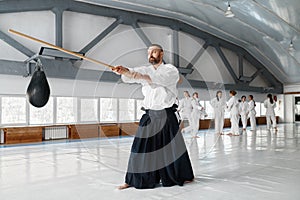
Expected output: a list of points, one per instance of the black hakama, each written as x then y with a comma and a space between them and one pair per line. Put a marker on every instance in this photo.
158, 153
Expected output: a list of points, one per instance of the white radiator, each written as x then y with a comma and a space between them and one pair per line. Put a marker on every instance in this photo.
1, 136
57, 132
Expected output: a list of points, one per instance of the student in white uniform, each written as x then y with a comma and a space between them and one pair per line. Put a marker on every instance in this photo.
158, 153
219, 105
176, 104
185, 110
233, 108
244, 112
270, 104
196, 114
252, 112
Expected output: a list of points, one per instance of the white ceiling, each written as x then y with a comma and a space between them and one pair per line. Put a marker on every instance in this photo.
263, 28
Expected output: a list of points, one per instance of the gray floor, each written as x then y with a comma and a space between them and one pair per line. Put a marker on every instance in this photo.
258, 165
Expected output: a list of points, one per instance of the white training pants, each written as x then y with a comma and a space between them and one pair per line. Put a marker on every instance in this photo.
252, 121
244, 120
234, 119
195, 119
219, 121
269, 119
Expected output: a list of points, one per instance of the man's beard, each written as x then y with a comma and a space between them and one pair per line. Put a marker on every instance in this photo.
154, 61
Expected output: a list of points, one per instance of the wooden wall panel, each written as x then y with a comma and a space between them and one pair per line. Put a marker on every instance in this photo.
23, 135
128, 128
35, 134
108, 130
209, 123
82, 131
261, 120
227, 123
205, 123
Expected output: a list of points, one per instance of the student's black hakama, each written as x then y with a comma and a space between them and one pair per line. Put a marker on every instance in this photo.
158, 152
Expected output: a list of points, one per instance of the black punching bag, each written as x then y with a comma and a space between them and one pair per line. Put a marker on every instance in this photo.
38, 90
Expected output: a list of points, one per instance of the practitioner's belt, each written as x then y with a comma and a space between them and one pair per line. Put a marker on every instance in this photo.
170, 109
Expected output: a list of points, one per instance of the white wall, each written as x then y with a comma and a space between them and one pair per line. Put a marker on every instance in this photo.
291, 88
290, 101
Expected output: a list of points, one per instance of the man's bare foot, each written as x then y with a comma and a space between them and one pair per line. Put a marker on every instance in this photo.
189, 181
196, 136
124, 186
230, 134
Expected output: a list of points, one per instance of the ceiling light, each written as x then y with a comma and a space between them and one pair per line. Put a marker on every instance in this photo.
291, 47
228, 12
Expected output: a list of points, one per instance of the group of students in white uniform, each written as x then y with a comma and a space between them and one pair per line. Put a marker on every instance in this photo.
191, 110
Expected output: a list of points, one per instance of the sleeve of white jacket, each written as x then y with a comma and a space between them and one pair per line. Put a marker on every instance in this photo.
167, 78
224, 103
213, 102
126, 79
230, 104
194, 104
251, 106
266, 103
240, 107
246, 107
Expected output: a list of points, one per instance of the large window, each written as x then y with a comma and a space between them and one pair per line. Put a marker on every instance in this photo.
66, 110
209, 109
278, 108
202, 103
89, 110
126, 110
42, 115
257, 109
13, 110
108, 110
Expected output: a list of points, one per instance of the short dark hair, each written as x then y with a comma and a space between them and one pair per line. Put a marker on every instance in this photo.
233, 92
157, 45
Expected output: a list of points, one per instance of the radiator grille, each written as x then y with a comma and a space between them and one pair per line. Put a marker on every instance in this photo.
54, 133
